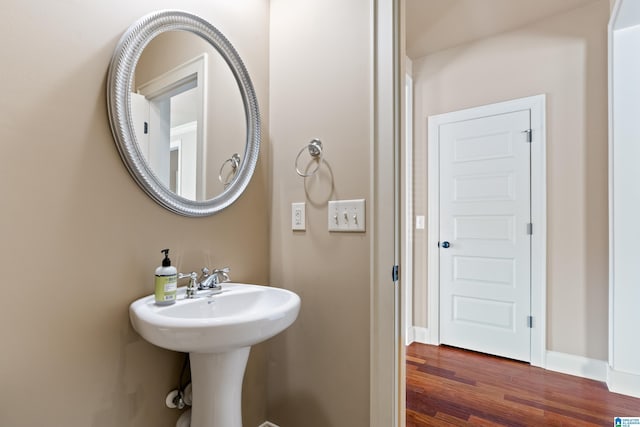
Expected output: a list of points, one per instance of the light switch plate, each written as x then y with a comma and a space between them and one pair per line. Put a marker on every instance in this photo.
347, 215
298, 217
419, 222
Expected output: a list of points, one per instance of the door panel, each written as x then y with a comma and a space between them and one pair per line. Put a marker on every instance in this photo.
488, 227
484, 312
484, 212
482, 270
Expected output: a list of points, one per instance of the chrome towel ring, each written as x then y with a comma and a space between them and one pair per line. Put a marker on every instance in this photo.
234, 162
315, 151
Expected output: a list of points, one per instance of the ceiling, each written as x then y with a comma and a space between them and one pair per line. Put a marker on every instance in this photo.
433, 25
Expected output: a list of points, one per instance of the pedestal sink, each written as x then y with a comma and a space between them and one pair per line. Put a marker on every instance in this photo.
217, 331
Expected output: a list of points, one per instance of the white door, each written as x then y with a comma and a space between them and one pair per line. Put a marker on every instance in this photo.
485, 242
184, 139
140, 116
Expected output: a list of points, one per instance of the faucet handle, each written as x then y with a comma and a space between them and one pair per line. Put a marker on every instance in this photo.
193, 275
224, 272
206, 272
192, 279
192, 287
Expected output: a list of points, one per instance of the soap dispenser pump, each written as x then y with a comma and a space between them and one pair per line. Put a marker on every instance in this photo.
166, 281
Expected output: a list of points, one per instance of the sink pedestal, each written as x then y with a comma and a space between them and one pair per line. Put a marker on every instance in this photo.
216, 384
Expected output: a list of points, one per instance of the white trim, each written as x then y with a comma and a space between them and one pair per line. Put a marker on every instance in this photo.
183, 128
623, 382
610, 27
186, 177
624, 374
168, 81
539, 236
386, 364
537, 105
410, 338
407, 226
268, 424
421, 335
576, 365
433, 230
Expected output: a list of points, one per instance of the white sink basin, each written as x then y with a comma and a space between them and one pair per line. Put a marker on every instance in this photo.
240, 316
217, 331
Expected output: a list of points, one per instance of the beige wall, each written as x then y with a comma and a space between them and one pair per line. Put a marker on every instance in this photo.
318, 371
564, 57
80, 240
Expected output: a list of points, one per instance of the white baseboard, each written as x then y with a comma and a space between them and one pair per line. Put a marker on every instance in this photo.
623, 382
576, 365
268, 424
421, 335
410, 336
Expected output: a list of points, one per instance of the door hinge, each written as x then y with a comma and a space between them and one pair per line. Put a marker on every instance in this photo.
394, 273
529, 228
529, 321
529, 133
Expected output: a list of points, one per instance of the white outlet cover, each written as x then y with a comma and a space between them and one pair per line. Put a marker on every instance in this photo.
298, 217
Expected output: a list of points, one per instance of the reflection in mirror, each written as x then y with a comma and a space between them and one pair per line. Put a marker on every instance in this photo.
229, 169
180, 100
188, 113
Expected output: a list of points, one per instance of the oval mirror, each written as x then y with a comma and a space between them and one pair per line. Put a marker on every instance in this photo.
183, 113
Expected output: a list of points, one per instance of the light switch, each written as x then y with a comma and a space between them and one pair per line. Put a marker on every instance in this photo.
419, 222
298, 221
346, 215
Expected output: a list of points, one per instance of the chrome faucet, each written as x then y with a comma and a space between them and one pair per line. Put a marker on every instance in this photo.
213, 279
208, 280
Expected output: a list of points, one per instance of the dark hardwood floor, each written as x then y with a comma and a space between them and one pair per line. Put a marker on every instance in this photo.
448, 386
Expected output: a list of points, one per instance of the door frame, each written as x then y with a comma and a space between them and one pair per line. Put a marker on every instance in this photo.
537, 105
407, 233
165, 85
387, 405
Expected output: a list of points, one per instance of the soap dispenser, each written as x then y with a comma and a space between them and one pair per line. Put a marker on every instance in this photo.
166, 281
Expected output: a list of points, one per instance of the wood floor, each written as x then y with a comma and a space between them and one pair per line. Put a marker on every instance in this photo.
448, 386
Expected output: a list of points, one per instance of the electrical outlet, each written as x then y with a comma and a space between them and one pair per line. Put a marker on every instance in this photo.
346, 215
298, 220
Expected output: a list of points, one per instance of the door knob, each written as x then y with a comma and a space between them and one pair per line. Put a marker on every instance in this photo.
445, 244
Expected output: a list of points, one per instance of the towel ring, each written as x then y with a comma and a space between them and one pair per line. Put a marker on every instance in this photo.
315, 151
234, 161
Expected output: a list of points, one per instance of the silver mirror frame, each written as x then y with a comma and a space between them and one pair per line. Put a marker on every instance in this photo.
120, 85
